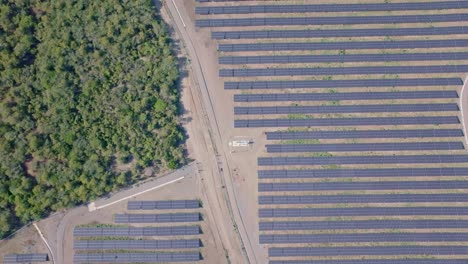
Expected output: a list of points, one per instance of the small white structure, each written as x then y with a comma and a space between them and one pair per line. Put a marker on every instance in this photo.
240, 143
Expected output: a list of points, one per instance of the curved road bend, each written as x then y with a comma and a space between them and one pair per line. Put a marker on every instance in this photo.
228, 195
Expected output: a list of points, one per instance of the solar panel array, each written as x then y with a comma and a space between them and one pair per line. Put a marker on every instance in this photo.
163, 205
157, 218
376, 108
343, 58
342, 83
343, 70
168, 233
339, 45
345, 134
136, 257
216, 10
349, 176
25, 258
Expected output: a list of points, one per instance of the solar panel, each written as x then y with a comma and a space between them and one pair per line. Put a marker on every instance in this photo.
157, 218
361, 211
135, 244
363, 121
336, 33
346, 186
446, 56
360, 238
340, 20
345, 147
136, 231
373, 250
346, 173
343, 70
394, 159
340, 45
374, 261
147, 257
343, 83
363, 198
25, 258
325, 109
363, 224
163, 205
216, 10
345, 134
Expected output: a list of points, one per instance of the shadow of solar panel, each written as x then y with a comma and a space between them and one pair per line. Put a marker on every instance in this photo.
162, 205
23, 258
136, 231
363, 224
346, 173
343, 70
376, 108
343, 83
373, 261
409, 146
136, 257
157, 218
446, 56
410, 133
395, 159
361, 211
364, 198
335, 186
135, 244
369, 121
216, 10
341, 20
396, 44
360, 238
377, 250
328, 33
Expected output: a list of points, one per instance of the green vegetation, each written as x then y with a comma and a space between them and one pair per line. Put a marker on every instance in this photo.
88, 100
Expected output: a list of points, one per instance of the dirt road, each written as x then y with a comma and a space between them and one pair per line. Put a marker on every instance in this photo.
207, 148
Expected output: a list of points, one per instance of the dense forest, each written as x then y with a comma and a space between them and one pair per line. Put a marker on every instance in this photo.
88, 101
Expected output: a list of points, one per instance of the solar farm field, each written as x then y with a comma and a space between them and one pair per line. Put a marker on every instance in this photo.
360, 103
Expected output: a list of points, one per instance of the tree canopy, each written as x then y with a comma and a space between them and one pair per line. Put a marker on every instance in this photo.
88, 100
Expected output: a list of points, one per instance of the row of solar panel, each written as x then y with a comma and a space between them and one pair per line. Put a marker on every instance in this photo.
216, 10
348, 173
325, 109
336, 33
157, 218
343, 134
343, 83
352, 186
374, 261
344, 96
360, 238
362, 211
341, 20
338, 147
23, 258
363, 224
147, 257
136, 231
343, 70
365, 198
135, 244
445, 56
362, 121
394, 159
377, 250
338, 45
163, 205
